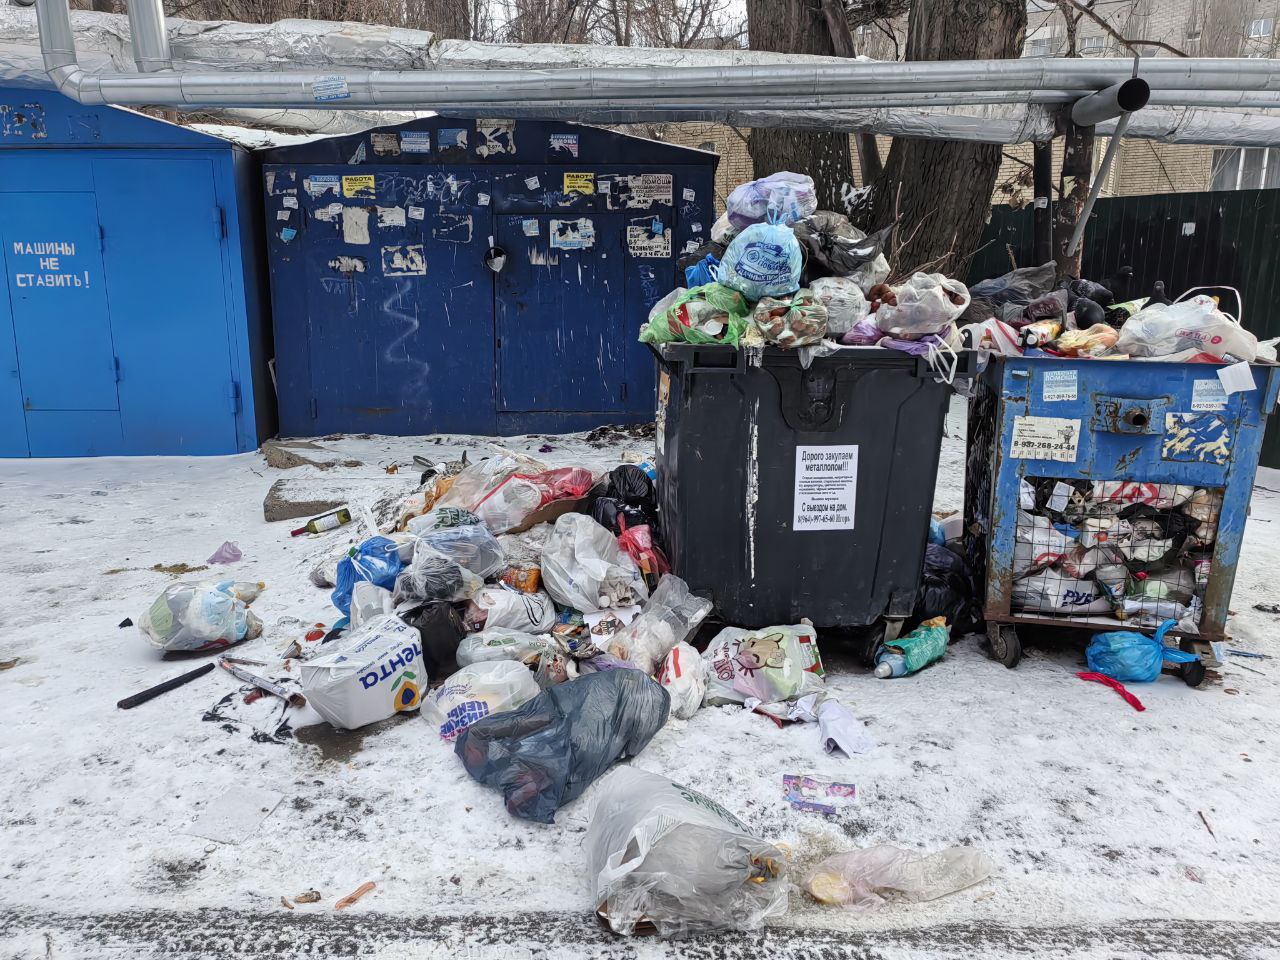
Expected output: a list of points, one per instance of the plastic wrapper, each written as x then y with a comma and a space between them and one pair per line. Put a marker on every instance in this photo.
666, 859
772, 665
833, 247
547, 752
1094, 342
795, 321
846, 305
788, 197
684, 673
555, 665
1132, 657
368, 675
712, 313
527, 578
376, 560
669, 617
865, 879
1197, 324
368, 602
924, 645
503, 608
762, 261
441, 518
201, 616
583, 567
926, 304
450, 564
478, 691
501, 643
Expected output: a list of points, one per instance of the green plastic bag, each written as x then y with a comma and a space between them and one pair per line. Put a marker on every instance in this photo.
923, 645
711, 313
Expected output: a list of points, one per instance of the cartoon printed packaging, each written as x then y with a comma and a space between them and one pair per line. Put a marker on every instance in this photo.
767, 666
375, 672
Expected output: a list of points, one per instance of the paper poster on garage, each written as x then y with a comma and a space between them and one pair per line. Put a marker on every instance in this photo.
826, 487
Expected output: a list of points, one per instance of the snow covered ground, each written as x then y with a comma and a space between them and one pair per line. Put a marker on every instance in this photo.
1097, 817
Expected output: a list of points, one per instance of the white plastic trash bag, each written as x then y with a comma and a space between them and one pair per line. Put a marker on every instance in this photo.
583, 567
514, 610
511, 503
1049, 591
478, 691
1037, 543
669, 617
450, 564
500, 643
764, 260
871, 273
865, 879
370, 674
771, 665
665, 858
927, 303
201, 616
684, 673
844, 300
1197, 324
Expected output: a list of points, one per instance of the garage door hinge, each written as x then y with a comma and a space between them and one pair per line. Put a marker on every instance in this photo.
219, 223
234, 395
315, 409
115, 366
102, 239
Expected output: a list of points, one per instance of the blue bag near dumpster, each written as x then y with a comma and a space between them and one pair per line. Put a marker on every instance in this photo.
762, 261
376, 560
548, 752
1132, 657
704, 271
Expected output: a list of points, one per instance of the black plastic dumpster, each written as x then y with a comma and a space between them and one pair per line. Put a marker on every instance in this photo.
789, 493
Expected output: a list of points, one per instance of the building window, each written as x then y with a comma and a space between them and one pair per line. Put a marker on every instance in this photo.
1261, 28
1040, 47
1093, 44
1246, 168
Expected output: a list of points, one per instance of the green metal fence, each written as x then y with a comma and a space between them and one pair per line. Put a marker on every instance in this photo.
1229, 237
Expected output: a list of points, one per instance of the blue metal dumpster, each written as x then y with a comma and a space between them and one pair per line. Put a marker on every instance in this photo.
1102, 494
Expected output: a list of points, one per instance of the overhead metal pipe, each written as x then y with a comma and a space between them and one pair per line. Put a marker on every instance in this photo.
345, 89
148, 35
1111, 102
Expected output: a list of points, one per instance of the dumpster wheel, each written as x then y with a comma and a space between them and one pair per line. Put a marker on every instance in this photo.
1005, 645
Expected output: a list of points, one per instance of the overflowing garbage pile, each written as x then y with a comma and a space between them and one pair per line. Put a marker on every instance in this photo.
1139, 552
1032, 312
529, 615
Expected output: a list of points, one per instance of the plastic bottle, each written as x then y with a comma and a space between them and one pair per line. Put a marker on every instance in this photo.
890, 664
326, 521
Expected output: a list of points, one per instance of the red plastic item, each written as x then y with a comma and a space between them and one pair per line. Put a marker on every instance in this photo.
638, 542
1115, 685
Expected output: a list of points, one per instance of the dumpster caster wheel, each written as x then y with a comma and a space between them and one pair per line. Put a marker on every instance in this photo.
1005, 646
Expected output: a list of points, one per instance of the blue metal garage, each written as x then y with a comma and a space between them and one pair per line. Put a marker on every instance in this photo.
131, 321
387, 319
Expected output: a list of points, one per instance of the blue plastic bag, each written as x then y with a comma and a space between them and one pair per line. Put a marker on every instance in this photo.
702, 272
762, 261
377, 560
1133, 657
936, 533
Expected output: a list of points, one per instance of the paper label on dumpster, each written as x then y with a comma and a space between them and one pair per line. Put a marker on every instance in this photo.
826, 487
361, 185
1058, 385
415, 141
1045, 438
328, 89
1208, 395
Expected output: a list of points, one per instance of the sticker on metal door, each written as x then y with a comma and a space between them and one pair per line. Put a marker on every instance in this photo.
826, 488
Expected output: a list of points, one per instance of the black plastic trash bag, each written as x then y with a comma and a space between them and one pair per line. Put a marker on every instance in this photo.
833, 247
630, 484
945, 592
442, 630
1021, 286
551, 749
614, 514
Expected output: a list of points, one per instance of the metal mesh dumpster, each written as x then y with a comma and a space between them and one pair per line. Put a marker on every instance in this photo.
1102, 494
788, 492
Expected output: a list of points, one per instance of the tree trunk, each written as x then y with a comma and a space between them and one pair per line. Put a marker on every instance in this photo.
799, 26
1073, 190
941, 189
